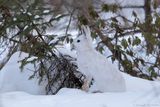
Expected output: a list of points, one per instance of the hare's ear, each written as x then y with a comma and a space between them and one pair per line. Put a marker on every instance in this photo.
87, 32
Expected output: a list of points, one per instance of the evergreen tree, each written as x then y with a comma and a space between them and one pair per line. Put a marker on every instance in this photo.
24, 25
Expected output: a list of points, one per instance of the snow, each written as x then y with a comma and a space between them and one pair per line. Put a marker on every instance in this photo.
13, 79
135, 84
19, 92
77, 98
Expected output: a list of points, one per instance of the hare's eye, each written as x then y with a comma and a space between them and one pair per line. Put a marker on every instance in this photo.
78, 41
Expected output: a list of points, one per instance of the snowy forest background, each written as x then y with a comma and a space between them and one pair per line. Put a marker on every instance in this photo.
126, 32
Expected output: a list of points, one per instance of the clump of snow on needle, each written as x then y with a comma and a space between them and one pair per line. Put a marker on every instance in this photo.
95, 66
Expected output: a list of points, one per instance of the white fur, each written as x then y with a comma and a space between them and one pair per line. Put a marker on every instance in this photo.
94, 65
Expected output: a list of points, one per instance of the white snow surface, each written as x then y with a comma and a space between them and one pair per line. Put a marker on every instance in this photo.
13, 79
18, 91
140, 93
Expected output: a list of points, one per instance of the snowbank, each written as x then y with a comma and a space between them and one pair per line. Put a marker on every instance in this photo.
12, 79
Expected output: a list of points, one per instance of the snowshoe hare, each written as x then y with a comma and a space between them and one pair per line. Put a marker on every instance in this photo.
94, 65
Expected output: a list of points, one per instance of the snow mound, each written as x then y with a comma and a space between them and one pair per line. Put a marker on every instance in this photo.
138, 84
12, 79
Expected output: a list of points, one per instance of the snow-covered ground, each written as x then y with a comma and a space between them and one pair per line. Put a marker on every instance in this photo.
18, 91
77, 98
